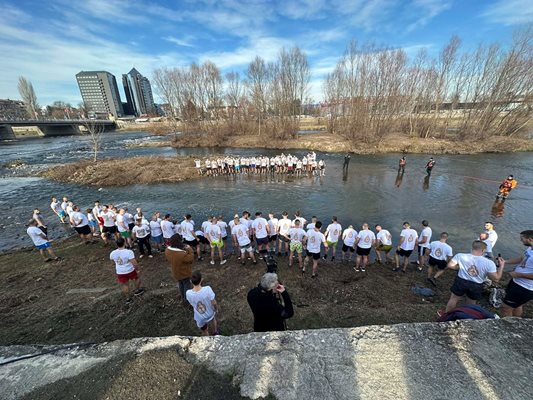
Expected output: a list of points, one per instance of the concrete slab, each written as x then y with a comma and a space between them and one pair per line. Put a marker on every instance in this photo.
471, 360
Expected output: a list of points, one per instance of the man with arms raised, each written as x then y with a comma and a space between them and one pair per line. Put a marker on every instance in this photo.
520, 288
408, 241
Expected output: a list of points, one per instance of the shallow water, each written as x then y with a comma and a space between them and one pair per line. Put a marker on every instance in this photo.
458, 198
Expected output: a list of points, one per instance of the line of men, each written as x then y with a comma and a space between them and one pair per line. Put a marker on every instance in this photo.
291, 237
279, 164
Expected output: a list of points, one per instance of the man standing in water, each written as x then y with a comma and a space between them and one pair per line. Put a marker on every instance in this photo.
401, 165
429, 166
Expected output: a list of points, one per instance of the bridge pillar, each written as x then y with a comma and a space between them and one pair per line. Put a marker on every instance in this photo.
59, 130
6, 132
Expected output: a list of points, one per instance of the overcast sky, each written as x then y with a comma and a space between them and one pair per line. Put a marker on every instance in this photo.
50, 41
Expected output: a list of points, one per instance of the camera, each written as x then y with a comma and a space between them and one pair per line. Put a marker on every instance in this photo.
271, 263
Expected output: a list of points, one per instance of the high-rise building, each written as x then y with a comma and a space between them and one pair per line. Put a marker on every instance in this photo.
138, 93
99, 92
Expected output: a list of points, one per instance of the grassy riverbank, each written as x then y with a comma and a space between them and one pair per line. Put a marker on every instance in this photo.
124, 172
333, 143
78, 299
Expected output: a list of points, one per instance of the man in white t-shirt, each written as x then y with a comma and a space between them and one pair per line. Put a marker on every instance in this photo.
297, 237
273, 223
156, 234
493, 236
315, 239
141, 233
261, 230
123, 227
440, 253
520, 288
109, 229
167, 228
40, 240
56, 208
214, 235
408, 241
126, 269
81, 224
365, 240
189, 234
348, 241
284, 225
223, 229
423, 243
241, 236
202, 300
311, 225
484, 237
383, 243
333, 233
472, 269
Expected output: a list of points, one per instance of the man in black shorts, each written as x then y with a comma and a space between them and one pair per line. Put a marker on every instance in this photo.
520, 288
472, 269
440, 253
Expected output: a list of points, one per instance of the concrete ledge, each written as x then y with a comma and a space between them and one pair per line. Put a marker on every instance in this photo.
459, 360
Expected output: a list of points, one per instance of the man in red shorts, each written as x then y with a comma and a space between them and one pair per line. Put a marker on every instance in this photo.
126, 268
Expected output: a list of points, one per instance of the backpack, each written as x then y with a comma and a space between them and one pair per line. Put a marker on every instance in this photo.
468, 311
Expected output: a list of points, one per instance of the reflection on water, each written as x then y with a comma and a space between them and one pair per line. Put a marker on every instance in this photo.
425, 185
498, 209
459, 198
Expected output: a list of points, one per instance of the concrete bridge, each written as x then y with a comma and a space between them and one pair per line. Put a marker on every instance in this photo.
52, 127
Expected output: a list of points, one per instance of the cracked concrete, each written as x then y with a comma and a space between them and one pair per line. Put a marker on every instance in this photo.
465, 360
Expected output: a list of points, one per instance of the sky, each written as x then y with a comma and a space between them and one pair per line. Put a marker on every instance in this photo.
49, 42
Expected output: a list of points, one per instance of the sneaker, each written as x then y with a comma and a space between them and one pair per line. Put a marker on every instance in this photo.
200, 259
332, 258
254, 262
129, 300
223, 262
362, 270
419, 269
141, 256
212, 262
48, 260
138, 292
150, 256
356, 269
433, 281
314, 275
397, 269
324, 258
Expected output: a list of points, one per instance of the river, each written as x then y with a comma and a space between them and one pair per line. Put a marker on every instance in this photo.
458, 198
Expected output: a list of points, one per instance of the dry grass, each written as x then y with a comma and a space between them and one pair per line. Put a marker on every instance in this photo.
118, 172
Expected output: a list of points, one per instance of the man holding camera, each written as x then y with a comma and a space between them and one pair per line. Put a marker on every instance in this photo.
270, 304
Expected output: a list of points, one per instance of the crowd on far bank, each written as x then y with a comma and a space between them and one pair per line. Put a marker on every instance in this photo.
279, 164
307, 243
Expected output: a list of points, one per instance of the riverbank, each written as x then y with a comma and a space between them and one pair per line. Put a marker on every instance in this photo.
78, 299
124, 172
333, 143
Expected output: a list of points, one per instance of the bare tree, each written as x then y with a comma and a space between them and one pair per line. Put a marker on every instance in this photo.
93, 130
27, 93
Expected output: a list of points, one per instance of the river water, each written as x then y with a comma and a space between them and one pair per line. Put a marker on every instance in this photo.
458, 198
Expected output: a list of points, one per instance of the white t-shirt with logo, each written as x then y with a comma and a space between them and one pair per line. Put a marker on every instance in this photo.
384, 237
122, 223
201, 302
213, 232
187, 230
366, 238
333, 232
273, 225
79, 219
35, 235
474, 268
155, 227
409, 241
440, 250
141, 231
223, 228
310, 225
259, 225
493, 237
122, 258
526, 267
241, 232
427, 232
167, 227
108, 218
284, 225
314, 240
348, 236
54, 205
297, 235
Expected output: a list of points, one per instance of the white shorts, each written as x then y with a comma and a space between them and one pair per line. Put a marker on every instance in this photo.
247, 248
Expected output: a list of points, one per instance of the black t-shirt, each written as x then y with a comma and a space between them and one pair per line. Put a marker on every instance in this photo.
269, 313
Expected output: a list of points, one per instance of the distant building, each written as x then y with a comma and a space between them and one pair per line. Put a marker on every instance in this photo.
12, 110
138, 93
99, 91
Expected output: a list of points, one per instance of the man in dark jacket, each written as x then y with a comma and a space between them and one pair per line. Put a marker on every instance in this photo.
180, 258
269, 312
